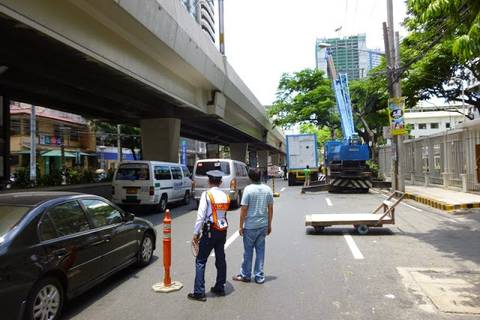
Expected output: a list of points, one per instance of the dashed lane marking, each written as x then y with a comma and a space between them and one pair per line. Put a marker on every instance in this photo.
283, 189
229, 241
404, 204
329, 202
353, 247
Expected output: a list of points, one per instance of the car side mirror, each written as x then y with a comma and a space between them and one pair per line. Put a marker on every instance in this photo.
129, 216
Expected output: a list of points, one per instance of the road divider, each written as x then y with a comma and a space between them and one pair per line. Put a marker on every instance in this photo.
353, 247
167, 285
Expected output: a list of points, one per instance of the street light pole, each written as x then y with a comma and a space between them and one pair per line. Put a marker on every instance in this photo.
33, 145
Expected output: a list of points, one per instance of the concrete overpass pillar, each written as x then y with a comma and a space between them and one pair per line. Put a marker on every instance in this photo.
160, 139
4, 138
213, 151
262, 157
238, 151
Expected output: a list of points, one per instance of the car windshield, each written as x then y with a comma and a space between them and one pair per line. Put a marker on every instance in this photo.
133, 171
203, 167
9, 217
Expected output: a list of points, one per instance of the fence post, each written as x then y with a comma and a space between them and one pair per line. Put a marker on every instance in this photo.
412, 178
464, 182
446, 177
427, 179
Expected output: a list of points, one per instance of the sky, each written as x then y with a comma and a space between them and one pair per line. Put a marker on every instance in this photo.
265, 38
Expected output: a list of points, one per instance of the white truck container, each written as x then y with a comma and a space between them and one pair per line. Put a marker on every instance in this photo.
301, 152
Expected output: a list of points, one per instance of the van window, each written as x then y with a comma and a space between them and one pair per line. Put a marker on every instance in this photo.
133, 171
162, 173
176, 172
186, 172
203, 167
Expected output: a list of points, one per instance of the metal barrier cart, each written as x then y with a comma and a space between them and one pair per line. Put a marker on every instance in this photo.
361, 221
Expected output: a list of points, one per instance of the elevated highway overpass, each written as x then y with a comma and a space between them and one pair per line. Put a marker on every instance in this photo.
141, 62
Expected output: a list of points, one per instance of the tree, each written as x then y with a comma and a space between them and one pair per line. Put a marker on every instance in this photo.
304, 97
323, 134
369, 102
130, 136
440, 20
443, 44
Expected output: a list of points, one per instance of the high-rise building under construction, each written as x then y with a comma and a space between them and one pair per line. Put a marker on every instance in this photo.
350, 55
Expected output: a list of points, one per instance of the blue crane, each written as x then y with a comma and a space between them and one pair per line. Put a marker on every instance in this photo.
345, 159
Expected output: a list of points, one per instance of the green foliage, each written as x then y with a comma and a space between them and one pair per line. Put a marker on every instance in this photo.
304, 97
130, 136
444, 43
374, 167
323, 134
456, 20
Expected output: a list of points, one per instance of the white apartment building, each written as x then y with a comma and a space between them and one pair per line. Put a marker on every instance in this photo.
426, 119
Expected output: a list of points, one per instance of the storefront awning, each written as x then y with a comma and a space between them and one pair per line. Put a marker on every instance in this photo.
58, 153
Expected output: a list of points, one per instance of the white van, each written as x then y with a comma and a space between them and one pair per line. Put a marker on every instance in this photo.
153, 183
235, 179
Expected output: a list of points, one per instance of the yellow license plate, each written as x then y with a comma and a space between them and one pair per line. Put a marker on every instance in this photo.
131, 190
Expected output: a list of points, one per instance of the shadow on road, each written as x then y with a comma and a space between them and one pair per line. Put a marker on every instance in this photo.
78, 304
339, 231
458, 241
176, 210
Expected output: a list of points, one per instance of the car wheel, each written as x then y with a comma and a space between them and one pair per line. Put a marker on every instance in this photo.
45, 300
145, 253
186, 198
162, 205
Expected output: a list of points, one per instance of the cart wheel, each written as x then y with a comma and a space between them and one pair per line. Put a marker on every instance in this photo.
319, 229
362, 229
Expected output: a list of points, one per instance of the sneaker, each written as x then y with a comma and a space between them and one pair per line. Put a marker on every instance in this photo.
239, 277
197, 297
259, 281
218, 292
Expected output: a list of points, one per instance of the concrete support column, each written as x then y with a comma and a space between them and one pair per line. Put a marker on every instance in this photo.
262, 157
238, 151
160, 139
213, 151
4, 138
275, 159
412, 179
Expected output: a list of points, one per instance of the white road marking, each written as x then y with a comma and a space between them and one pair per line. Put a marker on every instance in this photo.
229, 241
329, 202
353, 247
283, 189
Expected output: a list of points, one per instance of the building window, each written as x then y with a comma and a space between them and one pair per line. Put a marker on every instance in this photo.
447, 125
74, 134
434, 125
422, 126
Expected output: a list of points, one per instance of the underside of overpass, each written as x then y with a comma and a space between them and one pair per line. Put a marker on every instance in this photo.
43, 71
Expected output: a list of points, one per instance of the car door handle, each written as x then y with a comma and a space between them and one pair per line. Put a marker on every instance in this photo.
60, 252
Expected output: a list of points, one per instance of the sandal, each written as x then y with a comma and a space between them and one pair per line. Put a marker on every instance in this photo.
241, 278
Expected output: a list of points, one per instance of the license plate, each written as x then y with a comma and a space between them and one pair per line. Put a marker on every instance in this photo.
131, 190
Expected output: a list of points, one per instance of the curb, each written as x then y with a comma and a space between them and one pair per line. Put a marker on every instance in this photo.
440, 204
60, 188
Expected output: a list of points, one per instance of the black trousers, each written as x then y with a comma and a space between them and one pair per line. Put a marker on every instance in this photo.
215, 242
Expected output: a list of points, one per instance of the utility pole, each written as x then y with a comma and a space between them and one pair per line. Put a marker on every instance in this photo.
392, 53
221, 27
33, 145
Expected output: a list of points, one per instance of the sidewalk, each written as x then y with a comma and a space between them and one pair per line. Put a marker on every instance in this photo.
443, 199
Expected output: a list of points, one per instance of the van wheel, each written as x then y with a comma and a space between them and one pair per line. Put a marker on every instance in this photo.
162, 205
45, 300
186, 198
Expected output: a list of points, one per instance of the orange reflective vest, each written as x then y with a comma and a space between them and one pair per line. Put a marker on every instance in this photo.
219, 218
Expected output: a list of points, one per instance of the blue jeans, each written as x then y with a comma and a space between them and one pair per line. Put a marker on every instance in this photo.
254, 239
216, 242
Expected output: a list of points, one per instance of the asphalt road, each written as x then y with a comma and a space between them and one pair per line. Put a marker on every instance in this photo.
309, 275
